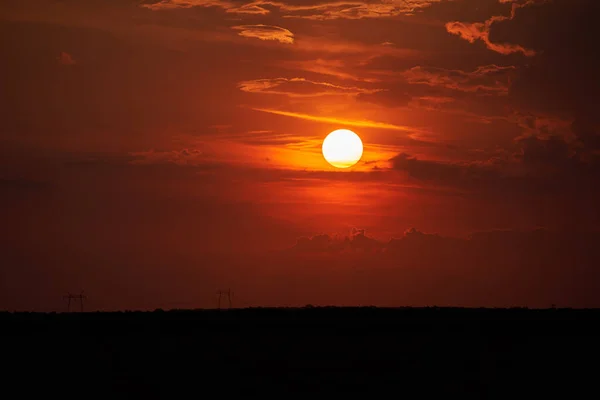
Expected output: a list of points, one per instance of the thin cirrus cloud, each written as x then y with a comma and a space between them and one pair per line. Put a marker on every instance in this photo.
184, 157
332, 120
335, 68
356, 9
318, 11
265, 32
299, 87
490, 79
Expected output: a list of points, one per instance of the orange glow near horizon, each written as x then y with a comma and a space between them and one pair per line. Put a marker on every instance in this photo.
143, 141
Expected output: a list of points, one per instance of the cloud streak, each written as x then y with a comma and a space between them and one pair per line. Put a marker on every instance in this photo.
265, 32
341, 121
318, 11
485, 79
299, 87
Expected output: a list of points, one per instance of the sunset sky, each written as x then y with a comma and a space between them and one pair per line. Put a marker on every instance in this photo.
153, 152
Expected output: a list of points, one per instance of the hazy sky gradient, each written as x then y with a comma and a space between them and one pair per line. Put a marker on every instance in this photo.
153, 152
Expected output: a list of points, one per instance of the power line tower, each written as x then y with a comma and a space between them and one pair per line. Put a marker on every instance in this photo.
77, 297
222, 293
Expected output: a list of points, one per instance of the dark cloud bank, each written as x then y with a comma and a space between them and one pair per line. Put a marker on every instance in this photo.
504, 268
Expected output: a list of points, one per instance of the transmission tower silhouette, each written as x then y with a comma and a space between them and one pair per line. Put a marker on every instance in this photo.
222, 293
77, 297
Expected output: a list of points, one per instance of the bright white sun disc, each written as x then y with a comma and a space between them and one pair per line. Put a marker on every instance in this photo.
342, 148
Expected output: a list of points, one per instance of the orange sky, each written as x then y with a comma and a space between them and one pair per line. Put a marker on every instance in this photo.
164, 136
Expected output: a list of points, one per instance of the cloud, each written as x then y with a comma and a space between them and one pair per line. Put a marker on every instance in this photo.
299, 87
478, 95
543, 126
561, 82
340, 121
356, 240
65, 58
331, 67
316, 11
461, 175
472, 32
563, 79
551, 152
184, 157
326, 46
356, 9
320, 242
538, 166
488, 79
265, 32
176, 4
491, 268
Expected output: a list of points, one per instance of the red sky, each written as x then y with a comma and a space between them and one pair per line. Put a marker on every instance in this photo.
153, 152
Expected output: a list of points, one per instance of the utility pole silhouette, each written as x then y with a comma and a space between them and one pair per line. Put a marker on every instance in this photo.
222, 293
78, 297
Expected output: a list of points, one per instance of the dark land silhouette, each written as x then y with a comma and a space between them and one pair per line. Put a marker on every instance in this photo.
414, 352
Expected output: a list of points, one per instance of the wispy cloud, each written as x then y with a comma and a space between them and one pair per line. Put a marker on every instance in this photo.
336, 68
265, 32
341, 121
472, 32
299, 87
351, 9
184, 157
175, 4
484, 79
356, 9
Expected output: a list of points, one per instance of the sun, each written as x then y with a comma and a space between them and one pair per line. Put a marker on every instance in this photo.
342, 148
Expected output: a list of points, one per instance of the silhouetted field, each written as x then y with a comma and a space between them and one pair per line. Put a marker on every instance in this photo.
419, 353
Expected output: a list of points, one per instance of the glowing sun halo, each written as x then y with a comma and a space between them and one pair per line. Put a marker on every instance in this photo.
342, 148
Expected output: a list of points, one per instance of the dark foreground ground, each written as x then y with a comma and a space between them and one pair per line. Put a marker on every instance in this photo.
411, 353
